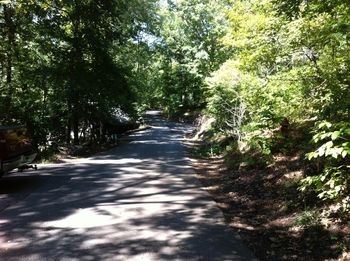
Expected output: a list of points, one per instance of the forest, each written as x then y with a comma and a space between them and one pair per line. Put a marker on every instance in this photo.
273, 75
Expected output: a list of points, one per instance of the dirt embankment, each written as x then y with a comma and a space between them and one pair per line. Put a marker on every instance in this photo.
270, 214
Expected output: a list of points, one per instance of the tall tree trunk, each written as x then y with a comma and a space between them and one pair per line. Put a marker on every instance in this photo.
77, 58
10, 42
68, 129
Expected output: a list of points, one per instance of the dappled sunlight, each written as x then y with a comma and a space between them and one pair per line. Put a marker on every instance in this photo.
106, 161
140, 202
160, 128
155, 142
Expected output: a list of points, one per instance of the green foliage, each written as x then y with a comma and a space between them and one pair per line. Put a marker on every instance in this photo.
287, 61
308, 218
64, 65
67, 66
210, 150
335, 139
257, 75
261, 143
334, 150
191, 49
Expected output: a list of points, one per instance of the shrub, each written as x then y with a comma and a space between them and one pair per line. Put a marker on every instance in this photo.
334, 149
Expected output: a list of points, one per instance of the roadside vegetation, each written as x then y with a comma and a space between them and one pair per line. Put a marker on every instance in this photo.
269, 78
69, 70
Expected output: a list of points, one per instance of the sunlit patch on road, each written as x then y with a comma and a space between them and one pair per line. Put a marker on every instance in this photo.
139, 201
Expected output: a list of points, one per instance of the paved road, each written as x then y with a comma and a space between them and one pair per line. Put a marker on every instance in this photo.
139, 201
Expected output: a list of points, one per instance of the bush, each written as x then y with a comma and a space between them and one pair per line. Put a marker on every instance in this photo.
334, 150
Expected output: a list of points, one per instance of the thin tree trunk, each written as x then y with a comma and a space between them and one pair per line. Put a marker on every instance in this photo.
10, 42
77, 57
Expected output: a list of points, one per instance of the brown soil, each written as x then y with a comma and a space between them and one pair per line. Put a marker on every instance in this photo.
263, 205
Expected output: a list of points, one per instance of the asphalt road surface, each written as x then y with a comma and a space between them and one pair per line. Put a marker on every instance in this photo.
139, 201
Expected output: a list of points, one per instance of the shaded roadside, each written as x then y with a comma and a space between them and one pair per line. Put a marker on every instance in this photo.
265, 212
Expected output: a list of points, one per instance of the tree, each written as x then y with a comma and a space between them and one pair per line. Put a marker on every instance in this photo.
61, 66
191, 47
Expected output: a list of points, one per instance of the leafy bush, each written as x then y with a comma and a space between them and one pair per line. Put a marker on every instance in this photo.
308, 218
334, 150
209, 150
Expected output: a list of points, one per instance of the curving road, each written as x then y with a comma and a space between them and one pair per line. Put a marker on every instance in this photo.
139, 201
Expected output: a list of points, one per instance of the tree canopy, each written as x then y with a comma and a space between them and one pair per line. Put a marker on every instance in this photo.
63, 65
66, 67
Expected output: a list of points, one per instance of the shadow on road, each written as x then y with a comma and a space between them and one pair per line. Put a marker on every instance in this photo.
138, 202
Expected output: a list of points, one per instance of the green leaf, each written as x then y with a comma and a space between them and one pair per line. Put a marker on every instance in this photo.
321, 151
325, 135
344, 153
335, 135
346, 144
311, 155
325, 124
329, 144
334, 153
338, 188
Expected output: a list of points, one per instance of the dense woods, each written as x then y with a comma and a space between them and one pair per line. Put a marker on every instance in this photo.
64, 65
273, 75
